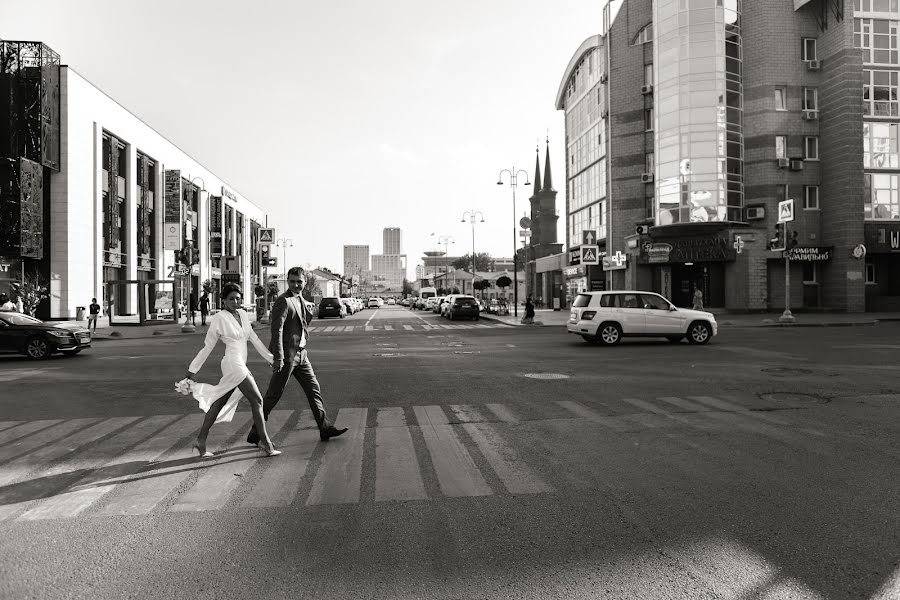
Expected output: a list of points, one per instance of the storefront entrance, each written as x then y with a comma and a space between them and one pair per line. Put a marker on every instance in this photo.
709, 277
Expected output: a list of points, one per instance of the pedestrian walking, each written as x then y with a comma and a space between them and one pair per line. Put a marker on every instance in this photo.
5, 303
528, 319
192, 306
219, 401
290, 319
93, 314
698, 298
204, 307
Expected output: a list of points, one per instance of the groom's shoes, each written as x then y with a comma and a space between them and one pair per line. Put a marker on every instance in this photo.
252, 438
330, 432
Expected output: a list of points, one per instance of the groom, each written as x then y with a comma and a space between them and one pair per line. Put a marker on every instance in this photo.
289, 320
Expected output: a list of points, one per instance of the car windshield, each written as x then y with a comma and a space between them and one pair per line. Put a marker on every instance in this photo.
20, 319
581, 300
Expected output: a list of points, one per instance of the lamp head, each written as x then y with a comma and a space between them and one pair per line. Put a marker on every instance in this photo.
499, 183
527, 183
463, 220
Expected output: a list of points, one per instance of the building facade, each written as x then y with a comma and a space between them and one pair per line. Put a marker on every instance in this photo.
701, 117
393, 241
356, 262
113, 201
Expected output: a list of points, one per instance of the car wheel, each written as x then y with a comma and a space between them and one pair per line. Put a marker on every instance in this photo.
609, 334
37, 349
675, 338
699, 333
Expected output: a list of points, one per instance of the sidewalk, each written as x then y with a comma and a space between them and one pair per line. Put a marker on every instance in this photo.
132, 332
558, 318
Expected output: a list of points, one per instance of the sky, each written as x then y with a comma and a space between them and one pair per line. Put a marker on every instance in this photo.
341, 118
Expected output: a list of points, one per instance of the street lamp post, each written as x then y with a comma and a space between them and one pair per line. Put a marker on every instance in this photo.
446, 240
472, 215
284, 243
513, 176
189, 327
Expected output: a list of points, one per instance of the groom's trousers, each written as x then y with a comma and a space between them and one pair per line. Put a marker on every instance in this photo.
303, 372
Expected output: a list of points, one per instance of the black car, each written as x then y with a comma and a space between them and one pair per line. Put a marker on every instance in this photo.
331, 307
463, 306
36, 339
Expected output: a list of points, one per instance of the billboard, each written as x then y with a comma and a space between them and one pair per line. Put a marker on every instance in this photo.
172, 216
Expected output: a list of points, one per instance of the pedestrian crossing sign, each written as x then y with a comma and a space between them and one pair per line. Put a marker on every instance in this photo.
266, 236
590, 255
786, 211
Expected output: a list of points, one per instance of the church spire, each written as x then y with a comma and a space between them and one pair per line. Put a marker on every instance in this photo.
537, 169
548, 179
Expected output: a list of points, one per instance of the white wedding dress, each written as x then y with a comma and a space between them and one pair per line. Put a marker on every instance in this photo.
223, 326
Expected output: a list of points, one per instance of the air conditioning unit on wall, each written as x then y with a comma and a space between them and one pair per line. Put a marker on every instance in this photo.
796, 165
783, 163
646, 177
756, 212
646, 89
812, 65
811, 115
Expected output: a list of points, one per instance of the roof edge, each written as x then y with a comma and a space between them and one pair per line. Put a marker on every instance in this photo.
594, 41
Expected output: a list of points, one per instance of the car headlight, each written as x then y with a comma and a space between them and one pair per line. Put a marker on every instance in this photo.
61, 334
588, 315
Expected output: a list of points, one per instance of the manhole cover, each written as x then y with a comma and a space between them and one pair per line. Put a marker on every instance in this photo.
545, 375
786, 371
793, 397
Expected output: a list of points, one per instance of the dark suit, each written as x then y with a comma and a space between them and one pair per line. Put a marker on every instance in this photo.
289, 321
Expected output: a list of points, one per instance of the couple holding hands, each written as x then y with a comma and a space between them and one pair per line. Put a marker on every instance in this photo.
286, 352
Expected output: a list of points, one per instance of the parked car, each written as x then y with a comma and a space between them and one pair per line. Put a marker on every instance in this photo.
606, 317
463, 306
37, 340
374, 302
332, 307
350, 305
438, 303
391, 301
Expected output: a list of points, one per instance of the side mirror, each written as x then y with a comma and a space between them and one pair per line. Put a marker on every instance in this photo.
672, 307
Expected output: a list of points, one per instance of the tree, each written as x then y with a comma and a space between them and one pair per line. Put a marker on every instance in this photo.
483, 262
407, 287
481, 285
32, 291
311, 287
504, 281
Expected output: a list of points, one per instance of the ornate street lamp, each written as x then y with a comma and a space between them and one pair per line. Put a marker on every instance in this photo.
472, 216
513, 176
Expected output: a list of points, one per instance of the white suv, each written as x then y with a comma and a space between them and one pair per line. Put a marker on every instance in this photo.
606, 317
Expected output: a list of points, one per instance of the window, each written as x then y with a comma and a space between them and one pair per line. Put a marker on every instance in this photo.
870, 273
881, 196
644, 35
648, 74
780, 146
781, 193
808, 49
811, 147
654, 302
811, 197
810, 99
810, 273
880, 146
878, 40
880, 93
780, 98
649, 164
648, 119
876, 5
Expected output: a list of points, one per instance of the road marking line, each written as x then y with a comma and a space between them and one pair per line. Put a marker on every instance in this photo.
40, 458
397, 473
467, 413
369, 328
349, 328
140, 496
388, 327
584, 412
280, 482
512, 471
53, 480
456, 471
37, 440
328, 329
77, 497
215, 485
408, 327
731, 407
8, 424
684, 404
306, 420
339, 475
502, 412
313, 329
24, 429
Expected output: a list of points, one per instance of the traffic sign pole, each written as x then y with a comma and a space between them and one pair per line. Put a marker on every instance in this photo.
785, 215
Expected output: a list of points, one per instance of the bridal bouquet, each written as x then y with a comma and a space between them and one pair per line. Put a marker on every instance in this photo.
185, 386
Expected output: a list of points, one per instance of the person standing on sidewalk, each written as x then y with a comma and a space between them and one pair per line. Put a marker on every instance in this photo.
290, 318
93, 314
698, 298
204, 307
528, 319
5, 304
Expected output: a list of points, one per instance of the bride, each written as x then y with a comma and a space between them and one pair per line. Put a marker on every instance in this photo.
219, 401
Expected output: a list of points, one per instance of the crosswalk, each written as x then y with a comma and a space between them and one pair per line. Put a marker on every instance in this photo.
418, 327
66, 468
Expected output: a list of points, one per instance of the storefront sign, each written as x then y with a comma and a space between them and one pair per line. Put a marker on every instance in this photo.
229, 194
172, 211
683, 250
577, 271
231, 265
615, 262
10, 269
575, 256
882, 237
215, 226
809, 253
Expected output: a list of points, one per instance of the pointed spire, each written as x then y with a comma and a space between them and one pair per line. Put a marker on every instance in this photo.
548, 179
537, 169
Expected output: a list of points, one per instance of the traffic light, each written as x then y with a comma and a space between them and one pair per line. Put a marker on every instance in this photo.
792, 241
267, 261
179, 257
778, 239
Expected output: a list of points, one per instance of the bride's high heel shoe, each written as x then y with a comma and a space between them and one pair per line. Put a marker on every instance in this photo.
202, 451
270, 450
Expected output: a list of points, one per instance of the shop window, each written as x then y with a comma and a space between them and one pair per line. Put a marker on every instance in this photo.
809, 49
880, 145
780, 146
811, 147
780, 98
811, 197
810, 273
870, 273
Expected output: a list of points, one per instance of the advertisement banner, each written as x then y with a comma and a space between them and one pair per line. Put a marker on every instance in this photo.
215, 226
172, 216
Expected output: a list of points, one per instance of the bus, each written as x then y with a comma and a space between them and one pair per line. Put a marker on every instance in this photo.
427, 292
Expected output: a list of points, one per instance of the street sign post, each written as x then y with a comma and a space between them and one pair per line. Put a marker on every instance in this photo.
785, 215
588, 237
266, 235
786, 210
590, 255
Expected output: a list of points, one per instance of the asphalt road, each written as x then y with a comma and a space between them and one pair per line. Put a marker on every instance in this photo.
483, 461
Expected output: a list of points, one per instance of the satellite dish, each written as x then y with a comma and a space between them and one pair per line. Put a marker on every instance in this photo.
525, 223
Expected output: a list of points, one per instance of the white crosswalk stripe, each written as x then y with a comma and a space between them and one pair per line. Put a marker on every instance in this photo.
57, 469
418, 327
